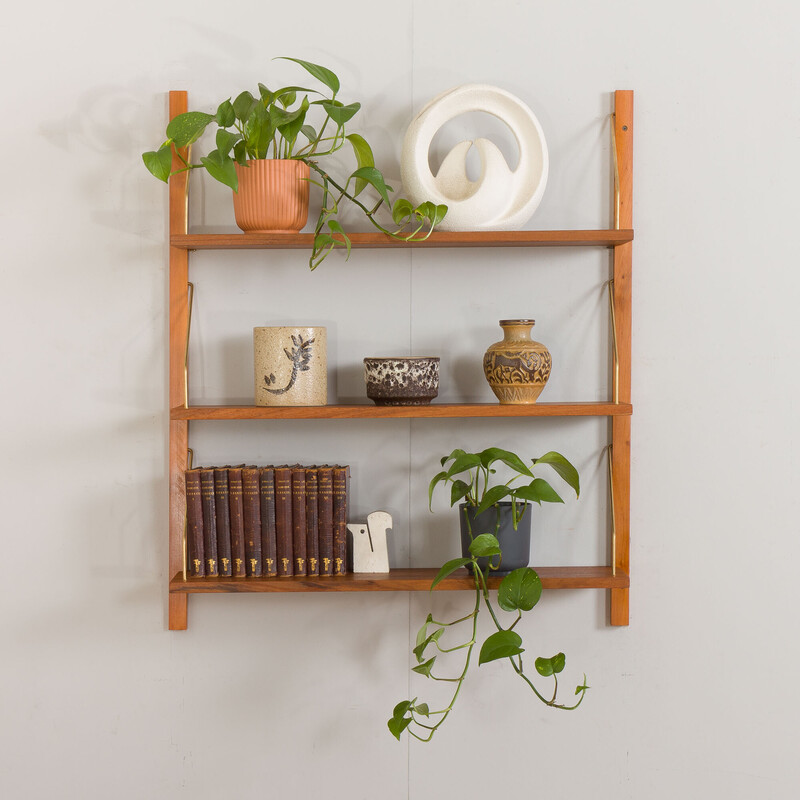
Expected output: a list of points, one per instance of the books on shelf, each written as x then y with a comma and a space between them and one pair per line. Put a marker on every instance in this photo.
265, 522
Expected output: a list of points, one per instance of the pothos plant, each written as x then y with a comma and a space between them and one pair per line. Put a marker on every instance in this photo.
275, 124
519, 591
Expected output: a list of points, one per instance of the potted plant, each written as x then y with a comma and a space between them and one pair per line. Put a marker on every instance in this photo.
266, 142
519, 590
503, 508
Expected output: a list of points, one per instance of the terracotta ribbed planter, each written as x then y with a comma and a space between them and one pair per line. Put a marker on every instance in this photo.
272, 196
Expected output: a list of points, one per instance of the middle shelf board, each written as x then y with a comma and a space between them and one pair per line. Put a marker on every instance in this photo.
432, 411
304, 241
399, 580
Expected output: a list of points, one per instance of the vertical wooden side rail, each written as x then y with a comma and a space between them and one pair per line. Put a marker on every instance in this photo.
621, 426
178, 318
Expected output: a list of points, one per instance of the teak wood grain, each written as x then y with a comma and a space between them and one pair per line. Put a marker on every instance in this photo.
303, 241
433, 411
178, 320
398, 580
621, 426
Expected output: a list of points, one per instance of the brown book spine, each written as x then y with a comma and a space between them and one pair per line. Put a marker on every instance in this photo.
251, 505
283, 520
341, 483
223, 522
195, 562
269, 547
299, 520
209, 522
325, 515
235, 499
312, 522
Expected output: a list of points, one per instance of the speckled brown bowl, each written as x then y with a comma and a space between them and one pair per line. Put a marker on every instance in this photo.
411, 381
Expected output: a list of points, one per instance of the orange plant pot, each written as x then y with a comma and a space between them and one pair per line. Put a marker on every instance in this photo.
272, 196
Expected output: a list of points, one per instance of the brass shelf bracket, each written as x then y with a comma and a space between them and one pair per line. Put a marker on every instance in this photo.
612, 312
190, 300
609, 453
185, 543
615, 153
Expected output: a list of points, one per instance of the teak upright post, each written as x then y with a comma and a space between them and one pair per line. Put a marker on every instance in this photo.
178, 322
621, 426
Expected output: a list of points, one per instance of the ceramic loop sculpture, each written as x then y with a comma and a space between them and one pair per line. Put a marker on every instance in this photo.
501, 199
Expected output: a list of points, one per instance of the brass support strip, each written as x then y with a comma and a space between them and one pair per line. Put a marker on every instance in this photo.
615, 388
616, 170
189, 461
186, 353
613, 514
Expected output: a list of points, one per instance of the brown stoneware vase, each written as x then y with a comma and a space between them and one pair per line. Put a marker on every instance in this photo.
517, 368
272, 196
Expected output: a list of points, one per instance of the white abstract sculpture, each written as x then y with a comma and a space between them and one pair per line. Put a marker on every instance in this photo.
501, 199
369, 543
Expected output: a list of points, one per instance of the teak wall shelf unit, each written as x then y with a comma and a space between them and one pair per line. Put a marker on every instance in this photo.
614, 578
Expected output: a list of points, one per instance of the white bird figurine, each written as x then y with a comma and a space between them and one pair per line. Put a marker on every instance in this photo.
369, 542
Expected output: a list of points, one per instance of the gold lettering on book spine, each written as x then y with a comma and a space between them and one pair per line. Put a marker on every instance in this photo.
285, 564
212, 565
339, 566
197, 564
300, 564
225, 564
253, 562
313, 564
270, 562
326, 563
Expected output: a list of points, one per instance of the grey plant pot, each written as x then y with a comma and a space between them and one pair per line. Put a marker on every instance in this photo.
515, 544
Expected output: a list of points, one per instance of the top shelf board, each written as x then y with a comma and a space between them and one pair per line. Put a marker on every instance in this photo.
303, 241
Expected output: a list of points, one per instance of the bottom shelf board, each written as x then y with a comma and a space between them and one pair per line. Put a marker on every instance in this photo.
399, 580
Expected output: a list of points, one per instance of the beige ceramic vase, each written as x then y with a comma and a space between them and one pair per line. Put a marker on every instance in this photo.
517, 368
291, 366
272, 196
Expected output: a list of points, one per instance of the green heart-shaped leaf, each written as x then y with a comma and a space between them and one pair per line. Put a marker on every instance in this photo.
159, 162
187, 128
374, 177
449, 568
551, 666
484, 546
519, 590
322, 74
502, 644
397, 726
225, 116
221, 167
492, 454
563, 467
492, 496
364, 158
425, 667
538, 491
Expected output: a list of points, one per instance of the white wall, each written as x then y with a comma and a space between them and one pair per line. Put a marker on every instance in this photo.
288, 695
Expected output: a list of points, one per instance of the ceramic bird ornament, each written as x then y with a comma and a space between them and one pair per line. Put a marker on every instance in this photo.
369, 542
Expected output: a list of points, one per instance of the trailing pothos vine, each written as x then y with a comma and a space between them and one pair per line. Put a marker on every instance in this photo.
274, 124
519, 591
473, 479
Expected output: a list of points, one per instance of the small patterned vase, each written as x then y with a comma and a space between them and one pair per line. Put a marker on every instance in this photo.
517, 368
291, 366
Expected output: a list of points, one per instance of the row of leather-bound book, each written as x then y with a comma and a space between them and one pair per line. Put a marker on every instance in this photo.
244, 522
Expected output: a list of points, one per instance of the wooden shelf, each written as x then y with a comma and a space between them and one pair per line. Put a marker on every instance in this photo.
398, 580
303, 241
618, 238
433, 411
